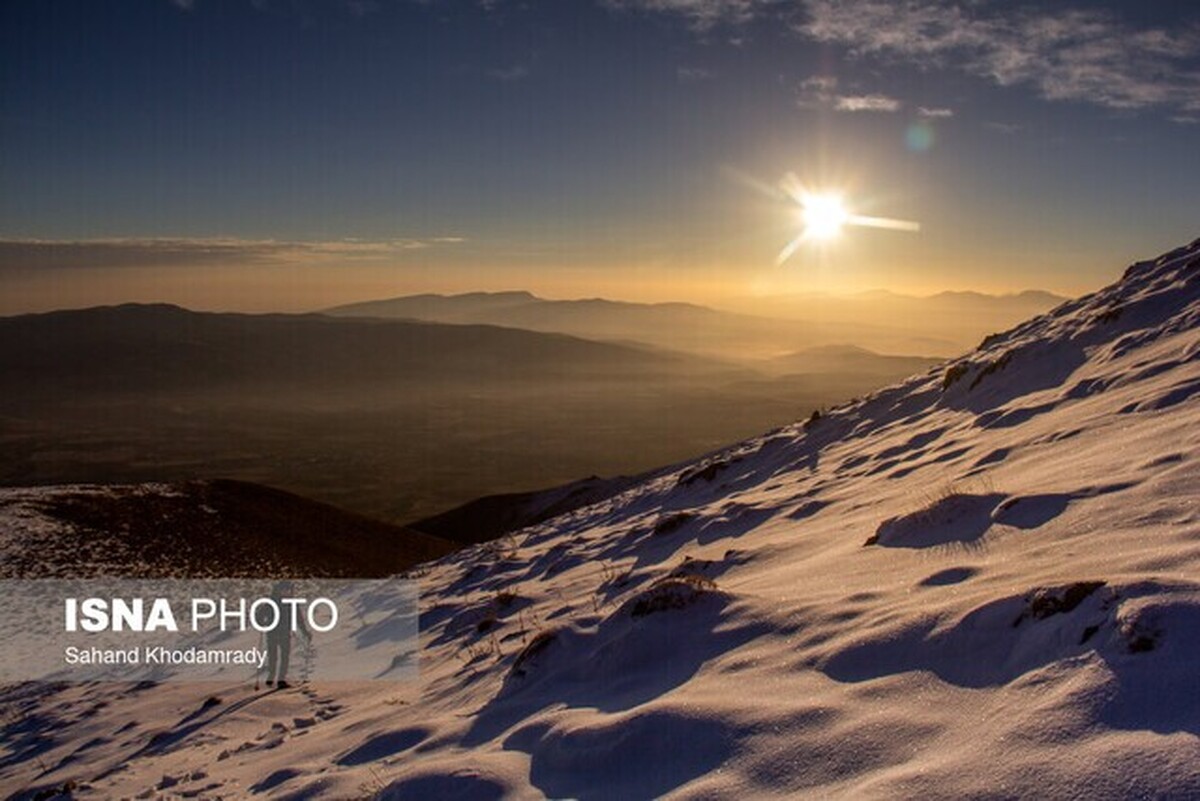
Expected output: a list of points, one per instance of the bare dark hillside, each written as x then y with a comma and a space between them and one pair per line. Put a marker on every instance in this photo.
194, 529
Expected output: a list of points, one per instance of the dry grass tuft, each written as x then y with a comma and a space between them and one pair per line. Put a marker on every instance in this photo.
671, 592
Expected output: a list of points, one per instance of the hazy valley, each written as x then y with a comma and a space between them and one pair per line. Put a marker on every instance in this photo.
424, 406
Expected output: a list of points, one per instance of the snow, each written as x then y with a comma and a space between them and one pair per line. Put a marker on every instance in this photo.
983, 581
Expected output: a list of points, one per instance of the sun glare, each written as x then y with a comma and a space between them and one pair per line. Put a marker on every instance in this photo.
823, 216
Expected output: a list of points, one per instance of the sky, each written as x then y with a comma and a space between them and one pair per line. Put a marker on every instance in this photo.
295, 154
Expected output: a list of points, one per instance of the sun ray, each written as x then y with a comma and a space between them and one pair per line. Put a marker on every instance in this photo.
886, 223
789, 249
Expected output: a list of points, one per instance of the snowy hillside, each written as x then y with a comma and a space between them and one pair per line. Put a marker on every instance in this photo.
983, 582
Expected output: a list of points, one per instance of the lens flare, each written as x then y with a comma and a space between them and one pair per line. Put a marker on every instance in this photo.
823, 216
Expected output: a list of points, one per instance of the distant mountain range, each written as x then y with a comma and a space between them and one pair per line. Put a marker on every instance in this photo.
939, 325
849, 359
1032, 296
674, 326
823, 304
143, 348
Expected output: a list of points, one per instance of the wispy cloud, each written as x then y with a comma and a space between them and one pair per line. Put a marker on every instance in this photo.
1077, 55
821, 91
689, 74
183, 251
1002, 127
934, 113
817, 90
867, 103
1082, 55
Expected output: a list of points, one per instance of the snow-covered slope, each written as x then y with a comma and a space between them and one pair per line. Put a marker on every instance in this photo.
983, 582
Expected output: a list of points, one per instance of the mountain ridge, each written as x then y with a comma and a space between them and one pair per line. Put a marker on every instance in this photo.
524, 295
147, 345
939, 325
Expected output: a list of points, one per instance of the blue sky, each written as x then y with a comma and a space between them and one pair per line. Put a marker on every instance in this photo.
280, 153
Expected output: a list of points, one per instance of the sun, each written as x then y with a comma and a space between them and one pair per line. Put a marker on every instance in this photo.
823, 216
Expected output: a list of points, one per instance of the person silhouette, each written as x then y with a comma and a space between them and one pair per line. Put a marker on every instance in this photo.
279, 638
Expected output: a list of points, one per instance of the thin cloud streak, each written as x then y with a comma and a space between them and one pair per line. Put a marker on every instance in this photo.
24, 254
876, 103
820, 91
690, 74
935, 113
